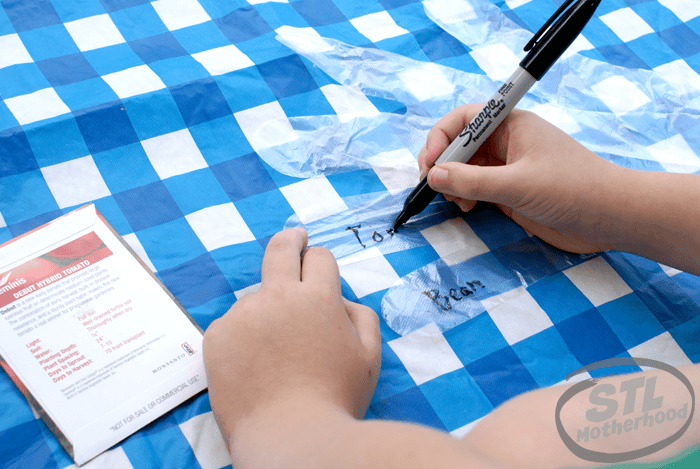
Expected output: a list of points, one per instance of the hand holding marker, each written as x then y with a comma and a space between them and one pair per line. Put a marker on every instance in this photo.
548, 44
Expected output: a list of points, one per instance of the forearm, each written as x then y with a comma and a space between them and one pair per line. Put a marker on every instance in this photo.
317, 435
522, 433
657, 216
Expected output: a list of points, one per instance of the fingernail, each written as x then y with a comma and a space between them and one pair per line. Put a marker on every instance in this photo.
438, 177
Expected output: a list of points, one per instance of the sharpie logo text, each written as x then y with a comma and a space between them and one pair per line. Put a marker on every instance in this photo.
482, 121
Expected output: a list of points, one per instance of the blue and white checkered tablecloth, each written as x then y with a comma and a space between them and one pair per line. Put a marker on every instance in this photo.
199, 128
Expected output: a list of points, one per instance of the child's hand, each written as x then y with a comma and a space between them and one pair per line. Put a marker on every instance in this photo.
296, 342
540, 177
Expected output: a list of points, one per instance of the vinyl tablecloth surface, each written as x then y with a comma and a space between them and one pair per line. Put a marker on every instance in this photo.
199, 128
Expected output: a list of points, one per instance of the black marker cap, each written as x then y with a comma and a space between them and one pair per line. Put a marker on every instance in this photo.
550, 42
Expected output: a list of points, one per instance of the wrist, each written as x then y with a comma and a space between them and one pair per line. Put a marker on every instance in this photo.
282, 427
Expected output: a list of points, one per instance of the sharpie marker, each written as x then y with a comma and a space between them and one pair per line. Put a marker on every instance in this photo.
548, 44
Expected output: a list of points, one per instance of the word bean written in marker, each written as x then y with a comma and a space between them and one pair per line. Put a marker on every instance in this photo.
377, 237
456, 294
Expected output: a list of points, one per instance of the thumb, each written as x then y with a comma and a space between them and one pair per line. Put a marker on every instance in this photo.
366, 323
498, 184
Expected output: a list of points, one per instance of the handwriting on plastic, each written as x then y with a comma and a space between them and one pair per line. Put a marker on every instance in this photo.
455, 294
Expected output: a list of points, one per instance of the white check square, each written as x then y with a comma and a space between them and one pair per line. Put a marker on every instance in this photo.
675, 155
313, 199
223, 60
627, 24
94, 32
512, 4
33, 107
219, 226
679, 70
450, 11
348, 103
663, 348
454, 241
426, 81
178, 14
426, 354
133, 241
134, 81
620, 95
598, 281
367, 272
205, 439
75, 182
174, 154
378, 26
685, 10
13, 51
265, 126
516, 314
497, 61
397, 169
244, 291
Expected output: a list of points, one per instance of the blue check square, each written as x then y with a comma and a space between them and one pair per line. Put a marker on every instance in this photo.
631, 320
242, 24
160, 437
589, 337
319, 12
160, 47
148, 205
467, 341
85, 94
105, 127
155, 116
437, 44
126, 167
390, 4
547, 357
669, 302
56, 141
200, 101
196, 282
112, 59
243, 177
48, 42
7, 119
240, 263
408, 406
179, 70
138, 22
21, 79
24, 196
196, 190
287, 76
683, 40
493, 227
115, 5
501, 376
201, 37
171, 244
361, 181
67, 69
622, 55
25, 226
262, 221
30, 14
220, 140
456, 399
559, 297
25, 446
393, 377
405, 262
18, 156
